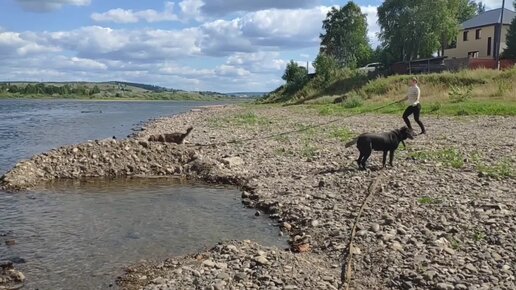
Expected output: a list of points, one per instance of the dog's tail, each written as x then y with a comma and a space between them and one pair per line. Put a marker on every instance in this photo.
352, 142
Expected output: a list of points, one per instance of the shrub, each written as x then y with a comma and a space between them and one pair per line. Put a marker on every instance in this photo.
353, 101
503, 86
460, 94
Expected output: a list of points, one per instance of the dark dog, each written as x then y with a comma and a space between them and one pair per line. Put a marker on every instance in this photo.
177, 138
386, 142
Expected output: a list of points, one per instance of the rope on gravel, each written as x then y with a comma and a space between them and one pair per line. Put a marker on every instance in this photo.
346, 271
292, 131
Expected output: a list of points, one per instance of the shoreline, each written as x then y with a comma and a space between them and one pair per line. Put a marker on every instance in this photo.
423, 229
126, 100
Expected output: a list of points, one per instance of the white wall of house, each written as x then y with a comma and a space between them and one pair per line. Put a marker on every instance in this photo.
476, 45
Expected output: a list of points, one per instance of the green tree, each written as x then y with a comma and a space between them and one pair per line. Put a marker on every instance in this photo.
95, 90
510, 51
326, 67
415, 28
481, 7
295, 75
345, 36
466, 9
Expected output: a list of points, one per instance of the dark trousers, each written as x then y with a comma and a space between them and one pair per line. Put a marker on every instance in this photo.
416, 110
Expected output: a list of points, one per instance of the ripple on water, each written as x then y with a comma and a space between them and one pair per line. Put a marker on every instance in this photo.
81, 234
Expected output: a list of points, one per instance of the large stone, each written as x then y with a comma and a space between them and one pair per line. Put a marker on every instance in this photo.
233, 162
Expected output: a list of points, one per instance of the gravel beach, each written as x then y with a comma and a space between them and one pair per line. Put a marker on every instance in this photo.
444, 216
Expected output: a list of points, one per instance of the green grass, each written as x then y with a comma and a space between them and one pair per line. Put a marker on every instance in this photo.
284, 152
281, 138
465, 108
455, 244
479, 235
464, 93
353, 101
449, 157
308, 150
429, 200
503, 169
341, 134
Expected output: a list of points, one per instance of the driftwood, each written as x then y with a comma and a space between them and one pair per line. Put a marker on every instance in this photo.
347, 272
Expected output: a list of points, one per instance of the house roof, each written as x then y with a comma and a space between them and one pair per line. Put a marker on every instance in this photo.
488, 18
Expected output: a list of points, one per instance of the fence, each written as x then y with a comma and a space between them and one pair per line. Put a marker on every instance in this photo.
456, 64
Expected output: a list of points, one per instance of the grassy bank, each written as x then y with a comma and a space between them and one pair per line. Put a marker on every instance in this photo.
471, 92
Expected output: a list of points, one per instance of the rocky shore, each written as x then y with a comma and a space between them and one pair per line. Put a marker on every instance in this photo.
444, 218
10, 278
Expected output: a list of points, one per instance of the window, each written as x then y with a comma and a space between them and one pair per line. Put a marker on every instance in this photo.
465, 36
473, 54
489, 45
478, 33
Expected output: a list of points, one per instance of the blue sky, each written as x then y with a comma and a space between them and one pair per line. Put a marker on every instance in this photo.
218, 45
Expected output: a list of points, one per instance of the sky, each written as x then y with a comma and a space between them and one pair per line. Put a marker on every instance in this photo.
208, 45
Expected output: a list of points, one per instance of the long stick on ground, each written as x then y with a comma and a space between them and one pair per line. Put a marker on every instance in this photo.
346, 272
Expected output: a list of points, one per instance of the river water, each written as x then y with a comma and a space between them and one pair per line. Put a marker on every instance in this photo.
80, 234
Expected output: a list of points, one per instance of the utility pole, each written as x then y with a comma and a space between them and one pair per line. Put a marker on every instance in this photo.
499, 44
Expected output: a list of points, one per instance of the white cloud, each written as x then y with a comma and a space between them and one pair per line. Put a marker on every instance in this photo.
258, 62
116, 15
266, 29
191, 9
129, 16
493, 4
117, 44
76, 63
372, 22
14, 43
50, 5
222, 7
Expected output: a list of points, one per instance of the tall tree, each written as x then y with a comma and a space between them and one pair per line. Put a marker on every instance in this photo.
295, 75
345, 36
466, 9
481, 7
510, 51
413, 28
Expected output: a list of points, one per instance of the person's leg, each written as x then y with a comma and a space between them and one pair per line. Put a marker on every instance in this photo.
406, 114
417, 112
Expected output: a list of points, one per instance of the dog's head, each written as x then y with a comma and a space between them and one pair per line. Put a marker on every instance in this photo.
407, 133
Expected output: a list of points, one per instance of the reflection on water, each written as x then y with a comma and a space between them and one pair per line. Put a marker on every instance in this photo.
78, 235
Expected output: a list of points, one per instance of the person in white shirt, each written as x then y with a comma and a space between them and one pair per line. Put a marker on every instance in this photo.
414, 107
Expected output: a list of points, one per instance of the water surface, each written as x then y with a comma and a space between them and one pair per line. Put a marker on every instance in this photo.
28, 127
80, 234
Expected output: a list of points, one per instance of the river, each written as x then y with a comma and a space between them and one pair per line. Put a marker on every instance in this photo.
80, 234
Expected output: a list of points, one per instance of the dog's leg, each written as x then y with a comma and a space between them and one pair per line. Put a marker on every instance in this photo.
384, 158
364, 159
391, 157
404, 146
359, 160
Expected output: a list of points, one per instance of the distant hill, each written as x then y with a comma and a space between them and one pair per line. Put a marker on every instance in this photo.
101, 90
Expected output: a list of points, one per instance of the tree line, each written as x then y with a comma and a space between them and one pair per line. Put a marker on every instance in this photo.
409, 29
44, 89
